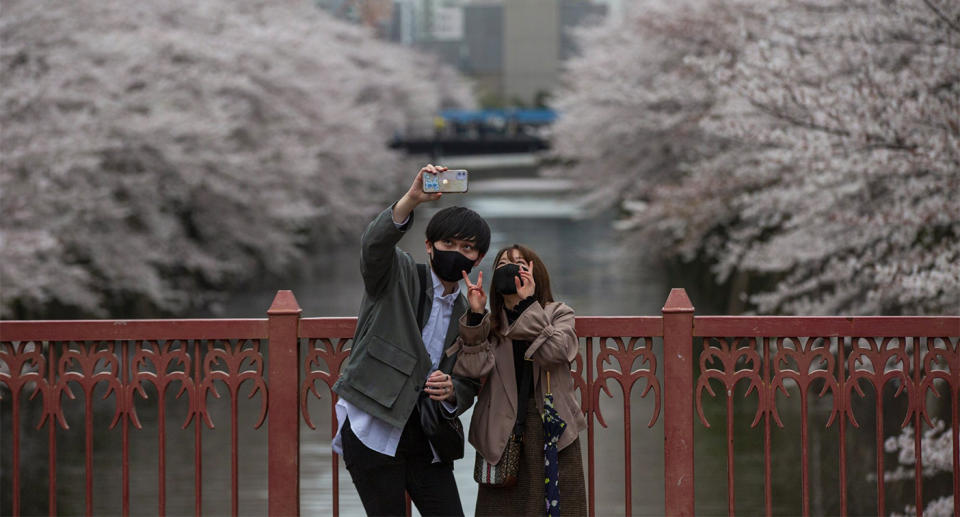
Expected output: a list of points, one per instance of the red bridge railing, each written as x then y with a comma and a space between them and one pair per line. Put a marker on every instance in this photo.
197, 359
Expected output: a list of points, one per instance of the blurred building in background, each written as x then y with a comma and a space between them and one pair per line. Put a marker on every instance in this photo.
372, 13
512, 49
483, 43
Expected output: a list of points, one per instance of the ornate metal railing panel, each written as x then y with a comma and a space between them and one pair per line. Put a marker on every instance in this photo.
675, 363
61, 360
840, 358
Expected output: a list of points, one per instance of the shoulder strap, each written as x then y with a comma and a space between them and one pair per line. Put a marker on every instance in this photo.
422, 270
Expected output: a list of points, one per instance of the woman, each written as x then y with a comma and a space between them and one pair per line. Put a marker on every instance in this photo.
525, 339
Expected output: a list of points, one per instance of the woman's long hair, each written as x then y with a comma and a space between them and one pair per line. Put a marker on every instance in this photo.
540, 277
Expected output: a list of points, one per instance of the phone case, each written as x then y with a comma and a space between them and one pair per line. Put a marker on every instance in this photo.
456, 180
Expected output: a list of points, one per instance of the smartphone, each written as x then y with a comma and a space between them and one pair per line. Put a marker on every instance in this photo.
453, 180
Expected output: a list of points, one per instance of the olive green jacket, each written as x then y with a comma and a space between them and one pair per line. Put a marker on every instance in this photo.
388, 362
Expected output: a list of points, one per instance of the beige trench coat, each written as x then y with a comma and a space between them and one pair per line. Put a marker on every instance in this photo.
484, 353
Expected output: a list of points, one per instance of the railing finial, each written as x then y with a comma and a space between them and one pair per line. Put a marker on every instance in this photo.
678, 301
284, 303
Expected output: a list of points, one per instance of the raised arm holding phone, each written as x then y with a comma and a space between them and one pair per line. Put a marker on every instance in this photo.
408, 319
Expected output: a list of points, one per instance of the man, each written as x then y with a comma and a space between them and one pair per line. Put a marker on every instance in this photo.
392, 360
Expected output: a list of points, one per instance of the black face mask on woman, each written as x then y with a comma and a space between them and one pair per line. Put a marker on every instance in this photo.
449, 264
503, 278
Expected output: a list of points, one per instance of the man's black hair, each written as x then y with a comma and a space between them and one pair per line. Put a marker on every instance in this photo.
457, 222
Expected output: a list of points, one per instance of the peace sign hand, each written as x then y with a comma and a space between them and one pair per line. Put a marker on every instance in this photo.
475, 295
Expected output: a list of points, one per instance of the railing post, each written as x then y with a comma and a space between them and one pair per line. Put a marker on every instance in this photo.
678, 404
283, 424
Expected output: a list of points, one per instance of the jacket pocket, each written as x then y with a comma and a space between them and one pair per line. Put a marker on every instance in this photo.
386, 373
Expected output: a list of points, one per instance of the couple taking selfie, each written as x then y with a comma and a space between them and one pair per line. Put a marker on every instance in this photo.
424, 350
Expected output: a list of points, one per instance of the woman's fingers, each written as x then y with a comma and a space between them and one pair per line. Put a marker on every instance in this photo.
471, 285
475, 294
524, 283
438, 378
527, 277
439, 385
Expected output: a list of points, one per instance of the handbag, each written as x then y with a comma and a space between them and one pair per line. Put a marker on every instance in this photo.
443, 429
504, 473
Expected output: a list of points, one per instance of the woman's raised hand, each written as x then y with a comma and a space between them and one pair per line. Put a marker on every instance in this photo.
475, 295
526, 287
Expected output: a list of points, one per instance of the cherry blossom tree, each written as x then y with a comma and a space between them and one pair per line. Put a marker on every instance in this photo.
813, 145
156, 152
632, 105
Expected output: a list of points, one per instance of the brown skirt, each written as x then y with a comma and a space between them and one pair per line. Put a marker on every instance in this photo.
527, 496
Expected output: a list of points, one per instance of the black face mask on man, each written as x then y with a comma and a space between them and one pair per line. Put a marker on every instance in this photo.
449, 264
503, 276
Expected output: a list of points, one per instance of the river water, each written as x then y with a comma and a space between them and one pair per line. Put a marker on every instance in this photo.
591, 269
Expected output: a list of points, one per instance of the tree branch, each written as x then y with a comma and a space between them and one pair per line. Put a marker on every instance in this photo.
950, 23
873, 141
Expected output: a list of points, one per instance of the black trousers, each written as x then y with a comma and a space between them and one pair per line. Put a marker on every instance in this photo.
381, 480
